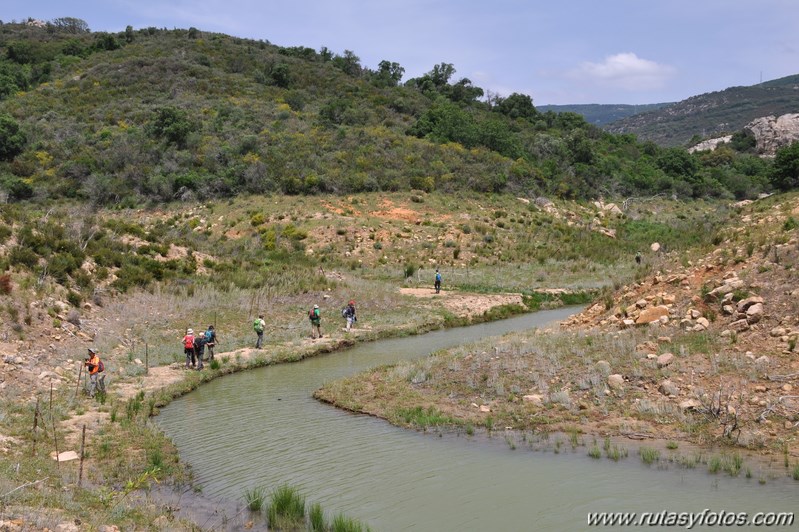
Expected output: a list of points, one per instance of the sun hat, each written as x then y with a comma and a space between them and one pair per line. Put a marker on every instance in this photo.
92, 351
316, 306
190, 331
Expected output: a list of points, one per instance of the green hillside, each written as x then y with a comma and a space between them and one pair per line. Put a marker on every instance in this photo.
602, 114
713, 114
154, 115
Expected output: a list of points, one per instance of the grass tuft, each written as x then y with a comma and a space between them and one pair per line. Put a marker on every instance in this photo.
255, 498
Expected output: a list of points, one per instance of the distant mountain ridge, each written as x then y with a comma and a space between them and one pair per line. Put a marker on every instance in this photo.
602, 114
712, 114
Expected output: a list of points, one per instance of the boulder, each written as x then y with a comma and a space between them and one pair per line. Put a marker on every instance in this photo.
668, 388
744, 304
603, 367
665, 359
690, 404
616, 382
754, 313
651, 314
535, 399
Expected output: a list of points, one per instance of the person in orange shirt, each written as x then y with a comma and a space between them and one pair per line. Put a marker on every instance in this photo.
94, 367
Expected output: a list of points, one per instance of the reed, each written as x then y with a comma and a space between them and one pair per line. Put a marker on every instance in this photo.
255, 498
287, 509
649, 455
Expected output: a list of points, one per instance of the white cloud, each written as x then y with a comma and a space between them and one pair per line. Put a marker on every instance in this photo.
625, 71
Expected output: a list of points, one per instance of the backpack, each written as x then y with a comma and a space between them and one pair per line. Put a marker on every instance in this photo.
344, 312
257, 326
438, 277
313, 314
210, 337
100, 367
188, 341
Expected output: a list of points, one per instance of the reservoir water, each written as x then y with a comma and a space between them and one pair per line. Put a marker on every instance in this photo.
263, 428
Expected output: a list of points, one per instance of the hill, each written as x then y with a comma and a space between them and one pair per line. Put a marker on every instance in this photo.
155, 115
712, 114
602, 114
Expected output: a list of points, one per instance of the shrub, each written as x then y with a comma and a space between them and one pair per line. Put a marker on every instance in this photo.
5, 284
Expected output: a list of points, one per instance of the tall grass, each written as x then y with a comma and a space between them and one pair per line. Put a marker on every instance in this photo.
287, 508
255, 498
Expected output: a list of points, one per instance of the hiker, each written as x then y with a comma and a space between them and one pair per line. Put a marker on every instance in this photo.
349, 313
638, 257
258, 326
199, 349
210, 341
316, 321
188, 348
437, 284
94, 366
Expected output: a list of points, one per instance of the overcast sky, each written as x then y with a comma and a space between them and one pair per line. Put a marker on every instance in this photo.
556, 51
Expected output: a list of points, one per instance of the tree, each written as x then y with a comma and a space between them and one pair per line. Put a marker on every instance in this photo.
12, 139
388, 74
349, 63
785, 171
516, 106
70, 25
171, 124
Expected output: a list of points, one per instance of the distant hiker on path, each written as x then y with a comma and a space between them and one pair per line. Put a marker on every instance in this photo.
437, 283
316, 321
210, 341
188, 348
258, 326
94, 366
638, 258
349, 314
199, 349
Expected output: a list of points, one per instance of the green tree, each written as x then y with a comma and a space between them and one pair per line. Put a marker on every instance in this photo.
785, 171
70, 25
12, 139
388, 74
171, 124
517, 106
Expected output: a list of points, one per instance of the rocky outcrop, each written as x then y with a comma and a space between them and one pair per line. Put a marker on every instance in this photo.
771, 133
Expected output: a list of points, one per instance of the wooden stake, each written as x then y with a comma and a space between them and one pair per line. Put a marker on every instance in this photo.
146, 359
55, 434
35, 424
82, 447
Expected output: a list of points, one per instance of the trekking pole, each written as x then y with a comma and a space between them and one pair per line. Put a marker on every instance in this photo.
77, 384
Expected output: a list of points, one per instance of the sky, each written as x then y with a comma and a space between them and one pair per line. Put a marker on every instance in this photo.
556, 51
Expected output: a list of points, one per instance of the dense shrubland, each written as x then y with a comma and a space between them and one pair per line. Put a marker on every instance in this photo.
155, 115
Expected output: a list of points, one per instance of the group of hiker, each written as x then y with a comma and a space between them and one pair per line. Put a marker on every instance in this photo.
194, 346
314, 316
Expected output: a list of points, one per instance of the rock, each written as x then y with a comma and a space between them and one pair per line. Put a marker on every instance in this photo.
665, 359
772, 132
778, 331
535, 399
754, 313
616, 382
627, 323
703, 322
728, 310
651, 314
664, 339
641, 303
66, 456
787, 387
485, 408
760, 388
748, 302
137, 361
655, 246
739, 325
603, 366
693, 314
668, 388
690, 404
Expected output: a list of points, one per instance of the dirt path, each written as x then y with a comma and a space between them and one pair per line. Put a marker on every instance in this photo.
462, 303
